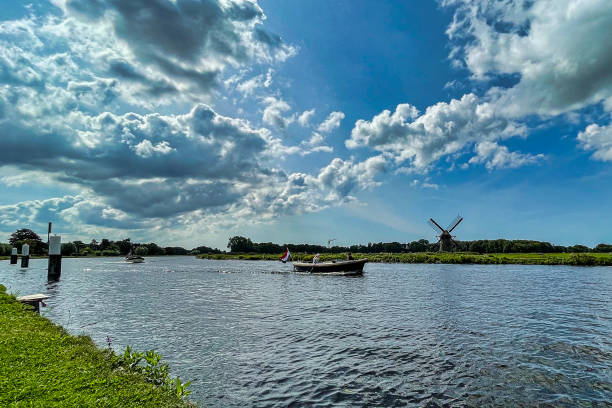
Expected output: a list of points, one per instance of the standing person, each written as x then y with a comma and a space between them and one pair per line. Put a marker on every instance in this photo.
315, 259
349, 257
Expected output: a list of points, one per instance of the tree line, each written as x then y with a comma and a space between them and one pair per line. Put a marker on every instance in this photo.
243, 244
104, 247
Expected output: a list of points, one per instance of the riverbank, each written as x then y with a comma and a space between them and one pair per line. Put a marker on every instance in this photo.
578, 259
41, 365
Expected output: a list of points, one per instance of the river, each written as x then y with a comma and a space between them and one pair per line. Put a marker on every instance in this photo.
252, 333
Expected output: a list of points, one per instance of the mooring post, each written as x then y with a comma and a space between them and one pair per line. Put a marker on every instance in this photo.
55, 258
25, 255
14, 256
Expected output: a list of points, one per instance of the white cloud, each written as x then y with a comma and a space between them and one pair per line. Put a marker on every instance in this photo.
147, 149
274, 113
444, 129
496, 156
598, 138
304, 118
249, 86
315, 144
559, 49
332, 122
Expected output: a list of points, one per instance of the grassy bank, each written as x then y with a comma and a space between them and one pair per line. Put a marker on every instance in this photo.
581, 259
41, 365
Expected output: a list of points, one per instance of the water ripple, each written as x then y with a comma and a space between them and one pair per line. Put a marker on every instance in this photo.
256, 334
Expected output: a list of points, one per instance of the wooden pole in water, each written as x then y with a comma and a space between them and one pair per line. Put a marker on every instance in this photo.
14, 256
25, 255
54, 270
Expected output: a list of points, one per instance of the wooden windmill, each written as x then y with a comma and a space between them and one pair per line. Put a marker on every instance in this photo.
445, 238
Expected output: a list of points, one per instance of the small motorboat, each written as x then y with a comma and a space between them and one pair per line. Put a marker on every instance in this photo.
345, 268
134, 258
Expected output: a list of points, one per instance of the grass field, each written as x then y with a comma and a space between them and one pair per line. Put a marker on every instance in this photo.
582, 259
41, 365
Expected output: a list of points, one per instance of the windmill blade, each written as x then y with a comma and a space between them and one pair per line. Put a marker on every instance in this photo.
455, 222
435, 224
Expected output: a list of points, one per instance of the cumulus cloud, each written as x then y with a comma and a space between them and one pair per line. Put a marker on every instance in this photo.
443, 129
598, 138
559, 50
150, 52
274, 113
304, 118
315, 144
249, 86
184, 40
495, 156
333, 185
332, 122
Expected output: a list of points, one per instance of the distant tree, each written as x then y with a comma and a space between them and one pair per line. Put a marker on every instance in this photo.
141, 250
68, 248
205, 250
5, 249
27, 236
603, 248
105, 244
175, 251
94, 245
240, 244
154, 249
124, 246
80, 245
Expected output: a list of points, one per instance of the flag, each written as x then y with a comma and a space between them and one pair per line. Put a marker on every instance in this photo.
285, 256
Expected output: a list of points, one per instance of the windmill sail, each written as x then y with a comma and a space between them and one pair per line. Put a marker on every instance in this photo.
455, 222
435, 225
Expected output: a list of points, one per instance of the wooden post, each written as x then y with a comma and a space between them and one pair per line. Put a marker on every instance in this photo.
54, 270
25, 255
14, 256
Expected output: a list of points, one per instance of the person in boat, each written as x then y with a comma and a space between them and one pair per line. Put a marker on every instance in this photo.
349, 257
315, 259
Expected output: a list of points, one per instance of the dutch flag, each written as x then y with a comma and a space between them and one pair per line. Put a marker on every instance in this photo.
285, 256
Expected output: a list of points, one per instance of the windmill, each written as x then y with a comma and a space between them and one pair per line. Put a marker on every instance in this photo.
445, 238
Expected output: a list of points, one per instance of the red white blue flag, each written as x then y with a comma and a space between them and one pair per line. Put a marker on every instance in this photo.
286, 256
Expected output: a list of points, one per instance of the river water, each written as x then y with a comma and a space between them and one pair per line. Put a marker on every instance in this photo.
252, 333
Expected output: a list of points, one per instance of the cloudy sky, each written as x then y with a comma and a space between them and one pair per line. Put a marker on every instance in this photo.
185, 122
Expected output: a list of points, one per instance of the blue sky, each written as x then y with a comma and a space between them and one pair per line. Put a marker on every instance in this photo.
186, 122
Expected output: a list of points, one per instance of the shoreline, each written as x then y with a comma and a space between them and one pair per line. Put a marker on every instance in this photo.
41, 364
570, 259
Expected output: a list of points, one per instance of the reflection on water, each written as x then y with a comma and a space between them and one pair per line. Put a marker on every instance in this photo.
256, 334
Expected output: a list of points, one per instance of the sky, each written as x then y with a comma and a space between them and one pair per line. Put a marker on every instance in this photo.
186, 122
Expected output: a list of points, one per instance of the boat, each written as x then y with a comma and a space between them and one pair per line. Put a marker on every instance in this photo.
134, 258
345, 268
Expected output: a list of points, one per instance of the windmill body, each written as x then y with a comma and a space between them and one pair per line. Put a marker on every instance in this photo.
445, 238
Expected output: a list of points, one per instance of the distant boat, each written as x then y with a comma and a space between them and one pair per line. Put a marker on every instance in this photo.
134, 258
346, 268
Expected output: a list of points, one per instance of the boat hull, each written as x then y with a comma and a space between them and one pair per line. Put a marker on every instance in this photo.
135, 259
332, 268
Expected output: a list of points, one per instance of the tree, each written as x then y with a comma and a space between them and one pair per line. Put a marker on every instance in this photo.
603, 248
69, 248
27, 236
105, 244
240, 244
125, 246
79, 245
141, 250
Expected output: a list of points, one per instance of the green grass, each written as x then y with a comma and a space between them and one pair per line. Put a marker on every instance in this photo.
582, 259
41, 365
